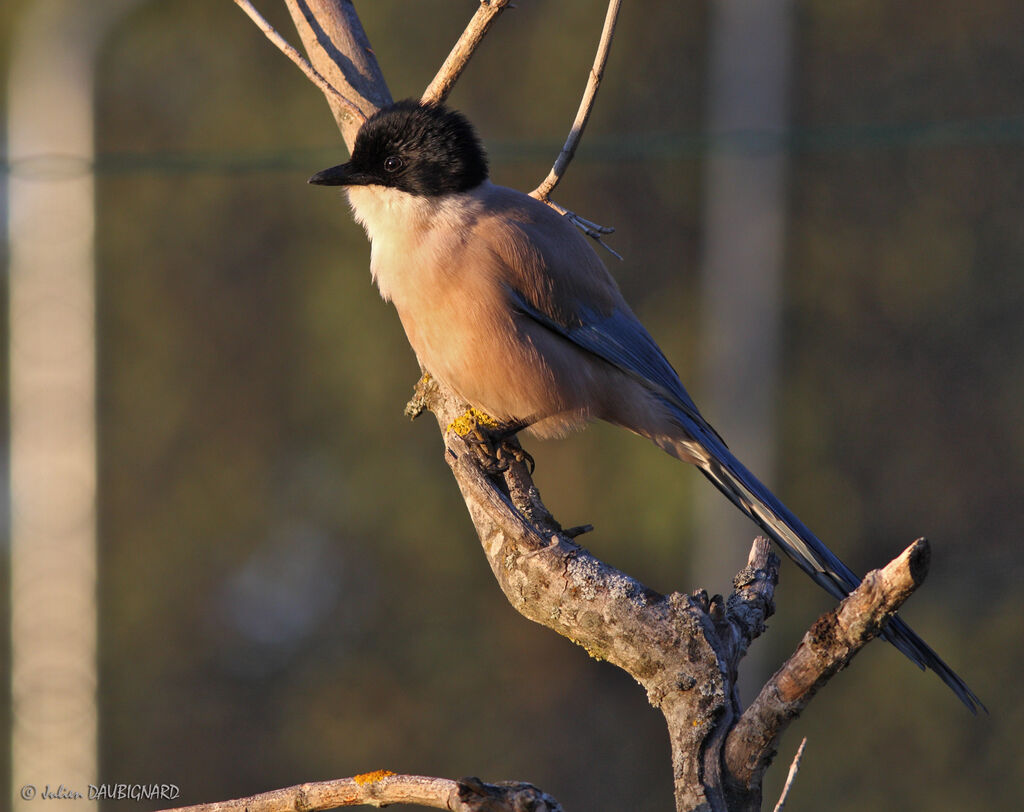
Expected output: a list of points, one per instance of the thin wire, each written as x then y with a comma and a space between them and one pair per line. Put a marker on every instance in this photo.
636, 147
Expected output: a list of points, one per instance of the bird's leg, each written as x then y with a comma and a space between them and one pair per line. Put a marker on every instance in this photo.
493, 442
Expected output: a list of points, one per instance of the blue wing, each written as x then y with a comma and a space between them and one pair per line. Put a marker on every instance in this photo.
621, 340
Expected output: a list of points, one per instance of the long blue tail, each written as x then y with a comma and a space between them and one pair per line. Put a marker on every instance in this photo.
617, 338
745, 491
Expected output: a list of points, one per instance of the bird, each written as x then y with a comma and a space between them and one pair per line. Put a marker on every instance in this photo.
507, 303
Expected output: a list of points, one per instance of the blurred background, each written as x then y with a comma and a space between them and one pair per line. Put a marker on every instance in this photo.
289, 588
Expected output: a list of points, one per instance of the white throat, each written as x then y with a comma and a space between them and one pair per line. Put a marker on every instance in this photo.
406, 231
380, 209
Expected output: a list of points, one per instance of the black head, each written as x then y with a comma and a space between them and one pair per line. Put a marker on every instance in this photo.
423, 149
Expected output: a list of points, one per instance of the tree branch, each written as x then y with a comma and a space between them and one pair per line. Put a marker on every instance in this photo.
586, 105
673, 645
383, 787
827, 648
312, 74
751, 604
441, 85
543, 191
339, 49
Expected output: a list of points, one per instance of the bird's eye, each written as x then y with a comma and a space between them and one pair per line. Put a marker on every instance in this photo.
392, 163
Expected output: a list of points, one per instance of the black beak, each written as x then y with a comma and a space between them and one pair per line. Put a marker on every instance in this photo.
340, 175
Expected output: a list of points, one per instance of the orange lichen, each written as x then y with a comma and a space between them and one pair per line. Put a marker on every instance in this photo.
368, 778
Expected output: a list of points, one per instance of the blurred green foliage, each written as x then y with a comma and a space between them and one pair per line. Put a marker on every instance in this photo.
291, 589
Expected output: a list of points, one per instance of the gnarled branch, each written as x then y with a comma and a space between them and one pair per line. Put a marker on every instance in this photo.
682, 649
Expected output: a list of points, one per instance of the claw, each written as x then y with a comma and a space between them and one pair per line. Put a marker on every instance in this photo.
492, 442
517, 453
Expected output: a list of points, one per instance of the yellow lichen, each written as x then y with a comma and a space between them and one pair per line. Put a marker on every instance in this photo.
465, 423
368, 778
593, 653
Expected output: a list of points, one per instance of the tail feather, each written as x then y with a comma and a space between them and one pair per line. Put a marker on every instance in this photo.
745, 491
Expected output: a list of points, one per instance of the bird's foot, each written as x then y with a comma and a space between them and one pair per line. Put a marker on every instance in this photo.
494, 443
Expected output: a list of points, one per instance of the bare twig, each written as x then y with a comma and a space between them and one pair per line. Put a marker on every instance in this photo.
543, 191
793, 769
827, 647
384, 787
441, 85
314, 75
